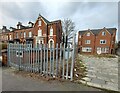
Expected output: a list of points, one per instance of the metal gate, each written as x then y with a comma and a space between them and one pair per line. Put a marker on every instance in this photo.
54, 62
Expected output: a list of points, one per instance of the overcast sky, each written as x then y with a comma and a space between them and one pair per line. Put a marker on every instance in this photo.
85, 15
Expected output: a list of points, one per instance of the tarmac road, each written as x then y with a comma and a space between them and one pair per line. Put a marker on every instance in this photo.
13, 82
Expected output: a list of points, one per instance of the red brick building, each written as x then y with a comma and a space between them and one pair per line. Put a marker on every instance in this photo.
42, 31
97, 41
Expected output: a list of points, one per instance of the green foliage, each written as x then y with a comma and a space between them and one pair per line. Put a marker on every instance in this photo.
3, 46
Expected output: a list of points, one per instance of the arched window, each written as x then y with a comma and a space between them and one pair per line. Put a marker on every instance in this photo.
51, 43
51, 31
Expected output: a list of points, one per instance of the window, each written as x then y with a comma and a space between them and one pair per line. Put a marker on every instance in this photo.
39, 32
7, 37
30, 25
51, 31
39, 22
21, 34
10, 37
87, 41
24, 34
102, 41
30, 34
80, 36
16, 35
86, 49
103, 33
88, 34
103, 49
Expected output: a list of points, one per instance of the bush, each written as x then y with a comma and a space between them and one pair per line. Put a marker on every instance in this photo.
4, 46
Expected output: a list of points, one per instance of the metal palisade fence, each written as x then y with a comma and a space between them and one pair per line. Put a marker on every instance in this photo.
53, 62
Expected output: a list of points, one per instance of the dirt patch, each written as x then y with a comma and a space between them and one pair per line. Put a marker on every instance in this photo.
79, 69
36, 76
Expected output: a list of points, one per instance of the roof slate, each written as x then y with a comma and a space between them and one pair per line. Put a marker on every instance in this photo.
96, 31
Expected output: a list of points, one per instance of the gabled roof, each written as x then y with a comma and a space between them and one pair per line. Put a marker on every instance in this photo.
97, 31
44, 19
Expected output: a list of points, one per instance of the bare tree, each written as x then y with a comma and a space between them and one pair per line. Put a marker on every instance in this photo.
68, 29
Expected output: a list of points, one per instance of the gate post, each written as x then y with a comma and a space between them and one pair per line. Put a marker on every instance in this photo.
73, 58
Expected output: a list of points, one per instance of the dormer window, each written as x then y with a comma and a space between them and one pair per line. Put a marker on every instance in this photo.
88, 34
11, 29
30, 25
103, 33
18, 27
39, 22
51, 31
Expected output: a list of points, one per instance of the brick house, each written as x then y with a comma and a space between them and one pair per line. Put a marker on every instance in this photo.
97, 41
42, 31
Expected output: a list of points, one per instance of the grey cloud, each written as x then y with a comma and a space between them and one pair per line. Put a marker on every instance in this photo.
84, 14
29, 10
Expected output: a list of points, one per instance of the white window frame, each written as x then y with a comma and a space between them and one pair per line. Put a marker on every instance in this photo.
87, 41
101, 41
88, 34
10, 36
103, 49
39, 22
30, 25
51, 31
30, 34
103, 33
39, 32
17, 35
24, 34
86, 49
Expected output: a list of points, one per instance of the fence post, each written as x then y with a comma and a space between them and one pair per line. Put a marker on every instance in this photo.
53, 62
63, 61
47, 62
41, 65
8, 54
29, 56
73, 58
68, 49
50, 61
60, 66
44, 59
57, 59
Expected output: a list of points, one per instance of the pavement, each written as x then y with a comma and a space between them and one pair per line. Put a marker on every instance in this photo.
13, 82
101, 72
